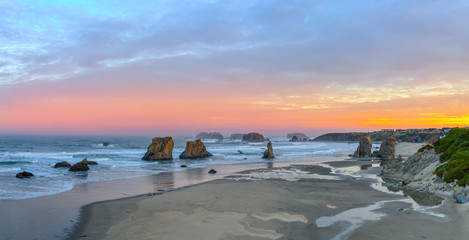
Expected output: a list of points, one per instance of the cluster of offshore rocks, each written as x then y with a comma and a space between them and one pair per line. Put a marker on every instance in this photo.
386, 152
161, 148
250, 137
77, 167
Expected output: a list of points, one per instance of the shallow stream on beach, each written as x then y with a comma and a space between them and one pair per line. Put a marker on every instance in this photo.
416, 201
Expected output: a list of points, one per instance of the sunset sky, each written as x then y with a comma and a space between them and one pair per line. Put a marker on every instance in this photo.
181, 67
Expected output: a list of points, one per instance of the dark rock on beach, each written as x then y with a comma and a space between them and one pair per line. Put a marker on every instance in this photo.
63, 164
183, 165
461, 199
364, 148
195, 149
24, 175
212, 171
81, 166
210, 135
269, 153
253, 137
160, 149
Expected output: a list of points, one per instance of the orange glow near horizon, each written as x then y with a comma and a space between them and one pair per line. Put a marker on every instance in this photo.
137, 112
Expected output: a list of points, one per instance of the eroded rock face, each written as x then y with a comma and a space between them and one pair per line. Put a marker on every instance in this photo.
364, 148
387, 150
269, 153
24, 175
81, 166
253, 137
160, 149
195, 149
210, 135
410, 167
63, 164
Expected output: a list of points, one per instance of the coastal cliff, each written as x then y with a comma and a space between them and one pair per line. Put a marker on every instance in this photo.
440, 167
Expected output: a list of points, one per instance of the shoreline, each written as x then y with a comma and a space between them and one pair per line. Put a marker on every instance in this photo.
296, 204
56, 216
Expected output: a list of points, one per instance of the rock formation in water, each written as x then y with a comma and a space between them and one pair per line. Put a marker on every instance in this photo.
269, 153
81, 166
296, 137
253, 137
387, 150
364, 148
210, 135
237, 136
63, 164
24, 175
160, 149
195, 149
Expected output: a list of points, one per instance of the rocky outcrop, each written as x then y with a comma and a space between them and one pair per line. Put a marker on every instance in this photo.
195, 149
63, 164
160, 149
387, 150
81, 166
296, 137
412, 166
269, 153
24, 175
237, 136
364, 148
210, 135
253, 137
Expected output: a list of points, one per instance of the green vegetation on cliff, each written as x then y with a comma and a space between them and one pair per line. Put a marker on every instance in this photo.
454, 149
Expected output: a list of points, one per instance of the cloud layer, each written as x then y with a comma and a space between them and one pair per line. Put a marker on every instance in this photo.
312, 60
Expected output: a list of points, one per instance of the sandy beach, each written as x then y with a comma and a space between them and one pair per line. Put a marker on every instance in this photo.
295, 202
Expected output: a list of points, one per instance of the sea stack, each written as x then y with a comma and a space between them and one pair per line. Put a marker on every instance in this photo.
387, 150
210, 135
237, 136
253, 137
195, 149
364, 148
296, 137
160, 149
269, 153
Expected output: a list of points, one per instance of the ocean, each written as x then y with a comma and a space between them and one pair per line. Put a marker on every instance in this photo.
122, 159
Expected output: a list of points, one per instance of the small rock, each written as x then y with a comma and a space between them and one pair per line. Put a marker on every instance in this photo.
212, 171
24, 175
406, 181
183, 165
461, 199
240, 152
92, 163
105, 144
62, 164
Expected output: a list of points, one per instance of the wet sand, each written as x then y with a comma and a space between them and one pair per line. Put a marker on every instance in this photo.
277, 204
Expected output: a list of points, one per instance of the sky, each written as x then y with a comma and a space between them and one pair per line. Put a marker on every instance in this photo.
273, 66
